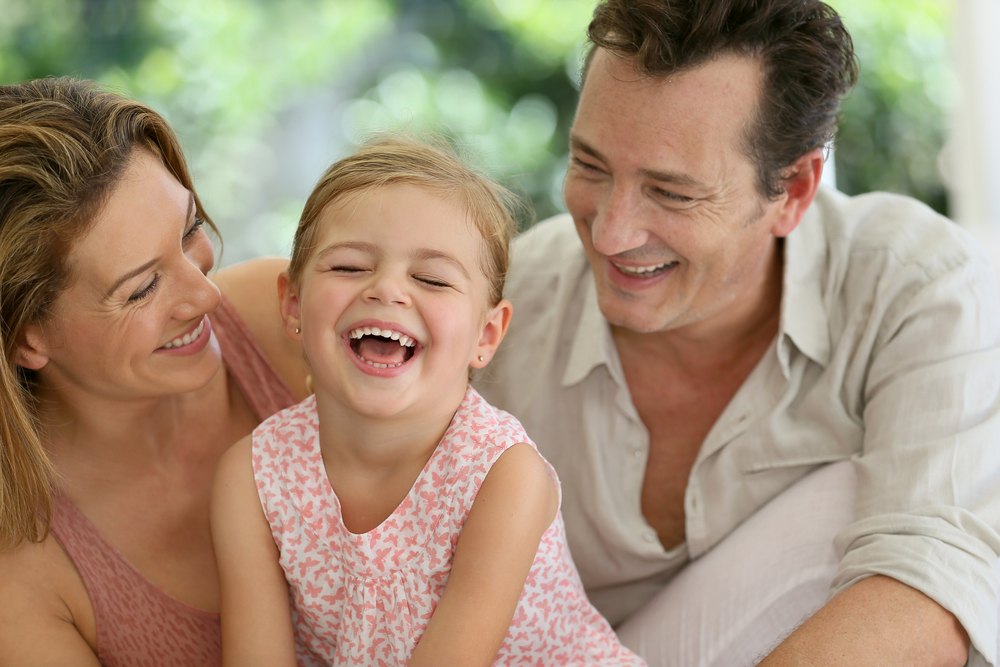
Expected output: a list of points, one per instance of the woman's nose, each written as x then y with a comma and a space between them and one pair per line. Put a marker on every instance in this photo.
197, 294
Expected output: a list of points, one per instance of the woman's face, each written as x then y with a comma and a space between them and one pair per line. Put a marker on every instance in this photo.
134, 324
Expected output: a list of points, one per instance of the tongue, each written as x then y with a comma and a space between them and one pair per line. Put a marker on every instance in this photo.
380, 350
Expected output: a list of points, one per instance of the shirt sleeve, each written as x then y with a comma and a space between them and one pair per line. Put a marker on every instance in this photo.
928, 498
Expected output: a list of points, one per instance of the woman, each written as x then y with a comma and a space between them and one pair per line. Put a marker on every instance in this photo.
126, 373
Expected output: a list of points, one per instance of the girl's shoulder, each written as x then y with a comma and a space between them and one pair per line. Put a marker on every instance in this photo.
481, 428
286, 427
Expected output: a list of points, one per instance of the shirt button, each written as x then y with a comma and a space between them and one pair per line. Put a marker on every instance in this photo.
649, 535
637, 452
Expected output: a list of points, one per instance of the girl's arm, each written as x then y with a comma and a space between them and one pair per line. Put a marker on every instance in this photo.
256, 619
516, 504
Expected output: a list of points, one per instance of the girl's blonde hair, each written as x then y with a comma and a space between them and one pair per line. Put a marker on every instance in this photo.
64, 144
404, 160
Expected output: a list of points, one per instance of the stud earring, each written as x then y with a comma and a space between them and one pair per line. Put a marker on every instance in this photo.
480, 357
298, 330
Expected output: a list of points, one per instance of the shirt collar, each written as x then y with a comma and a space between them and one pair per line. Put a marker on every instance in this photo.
592, 343
804, 318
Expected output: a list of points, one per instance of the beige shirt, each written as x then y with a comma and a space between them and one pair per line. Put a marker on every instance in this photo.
888, 353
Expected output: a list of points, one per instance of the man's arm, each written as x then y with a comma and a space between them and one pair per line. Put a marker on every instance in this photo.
880, 622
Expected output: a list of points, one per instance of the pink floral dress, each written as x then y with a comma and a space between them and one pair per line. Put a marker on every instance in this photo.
366, 599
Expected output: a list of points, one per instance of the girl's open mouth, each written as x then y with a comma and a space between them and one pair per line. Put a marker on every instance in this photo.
381, 348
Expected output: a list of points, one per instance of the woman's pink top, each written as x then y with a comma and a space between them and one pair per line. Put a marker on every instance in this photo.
366, 599
138, 624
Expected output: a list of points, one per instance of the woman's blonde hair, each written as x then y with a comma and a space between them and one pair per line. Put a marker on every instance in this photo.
398, 159
64, 144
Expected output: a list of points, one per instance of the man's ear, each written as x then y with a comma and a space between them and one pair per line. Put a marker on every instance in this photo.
288, 301
494, 330
801, 185
32, 352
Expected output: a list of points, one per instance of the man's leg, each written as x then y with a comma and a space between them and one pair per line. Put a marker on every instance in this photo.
732, 605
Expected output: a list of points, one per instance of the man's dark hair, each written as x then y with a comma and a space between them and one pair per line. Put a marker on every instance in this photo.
806, 55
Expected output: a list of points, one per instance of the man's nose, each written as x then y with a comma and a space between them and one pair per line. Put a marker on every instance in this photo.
618, 225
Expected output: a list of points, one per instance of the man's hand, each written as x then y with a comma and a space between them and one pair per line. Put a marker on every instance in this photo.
880, 622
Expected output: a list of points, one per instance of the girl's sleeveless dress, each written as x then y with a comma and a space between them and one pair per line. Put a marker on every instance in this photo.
366, 599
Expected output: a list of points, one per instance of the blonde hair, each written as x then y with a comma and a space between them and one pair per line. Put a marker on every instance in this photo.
405, 160
64, 144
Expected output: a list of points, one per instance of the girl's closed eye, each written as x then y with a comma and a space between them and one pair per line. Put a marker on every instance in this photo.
433, 281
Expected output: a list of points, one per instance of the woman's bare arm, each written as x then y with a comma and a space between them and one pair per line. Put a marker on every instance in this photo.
256, 619
516, 504
43, 603
252, 288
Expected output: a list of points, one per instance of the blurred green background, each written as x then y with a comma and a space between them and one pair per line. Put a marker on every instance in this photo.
265, 94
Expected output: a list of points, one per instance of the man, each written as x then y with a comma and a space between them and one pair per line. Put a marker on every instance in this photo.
699, 335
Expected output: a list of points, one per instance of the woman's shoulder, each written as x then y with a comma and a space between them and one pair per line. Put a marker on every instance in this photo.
46, 615
252, 289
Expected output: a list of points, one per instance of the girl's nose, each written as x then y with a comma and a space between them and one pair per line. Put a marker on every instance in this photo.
387, 289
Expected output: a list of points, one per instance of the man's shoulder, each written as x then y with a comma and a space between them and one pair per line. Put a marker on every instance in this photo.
893, 226
544, 257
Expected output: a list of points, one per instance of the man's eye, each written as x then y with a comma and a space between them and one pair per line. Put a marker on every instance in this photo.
673, 196
585, 165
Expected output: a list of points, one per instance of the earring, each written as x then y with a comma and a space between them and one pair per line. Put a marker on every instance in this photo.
298, 330
481, 358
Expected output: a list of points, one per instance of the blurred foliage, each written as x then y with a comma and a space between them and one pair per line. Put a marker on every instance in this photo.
894, 124
265, 94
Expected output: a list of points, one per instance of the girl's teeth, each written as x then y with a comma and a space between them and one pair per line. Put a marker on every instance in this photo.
389, 334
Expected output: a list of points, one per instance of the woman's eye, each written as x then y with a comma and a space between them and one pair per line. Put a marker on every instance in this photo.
198, 222
143, 292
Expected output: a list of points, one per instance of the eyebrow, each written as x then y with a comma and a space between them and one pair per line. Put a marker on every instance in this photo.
145, 267
662, 176
425, 254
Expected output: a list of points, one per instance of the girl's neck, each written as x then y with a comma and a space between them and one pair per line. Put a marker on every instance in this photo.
375, 443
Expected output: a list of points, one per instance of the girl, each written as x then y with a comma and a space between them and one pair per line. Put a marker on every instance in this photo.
412, 521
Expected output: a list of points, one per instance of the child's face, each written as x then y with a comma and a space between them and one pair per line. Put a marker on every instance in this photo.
402, 260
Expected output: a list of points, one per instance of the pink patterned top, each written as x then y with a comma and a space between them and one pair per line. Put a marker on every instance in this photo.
138, 624
366, 599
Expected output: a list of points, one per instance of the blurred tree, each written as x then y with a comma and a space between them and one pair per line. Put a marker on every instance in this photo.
266, 94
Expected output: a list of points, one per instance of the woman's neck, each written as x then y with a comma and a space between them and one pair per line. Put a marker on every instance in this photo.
112, 436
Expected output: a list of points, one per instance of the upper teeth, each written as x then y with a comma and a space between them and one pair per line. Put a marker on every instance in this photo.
639, 270
403, 339
186, 338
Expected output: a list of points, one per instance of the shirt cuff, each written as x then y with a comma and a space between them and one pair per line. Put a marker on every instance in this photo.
946, 553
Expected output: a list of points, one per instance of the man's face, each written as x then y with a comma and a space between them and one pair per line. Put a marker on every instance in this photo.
663, 198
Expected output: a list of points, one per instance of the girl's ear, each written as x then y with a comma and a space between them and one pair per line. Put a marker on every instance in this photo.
498, 319
32, 351
289, 303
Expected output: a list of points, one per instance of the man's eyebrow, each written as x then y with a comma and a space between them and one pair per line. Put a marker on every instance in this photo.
662, 176
145, 267
431, 254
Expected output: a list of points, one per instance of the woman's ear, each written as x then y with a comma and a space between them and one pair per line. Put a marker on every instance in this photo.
32, 351
288, 299
495, 328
